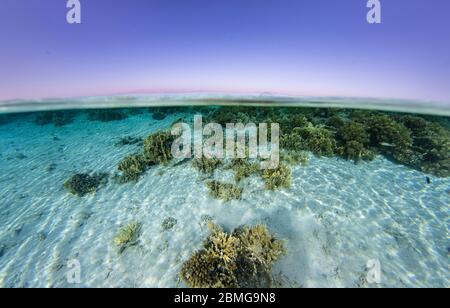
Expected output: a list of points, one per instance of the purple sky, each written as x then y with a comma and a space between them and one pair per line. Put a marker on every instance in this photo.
304, 47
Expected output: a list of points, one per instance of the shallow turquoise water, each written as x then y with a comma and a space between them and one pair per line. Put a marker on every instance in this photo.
335, 217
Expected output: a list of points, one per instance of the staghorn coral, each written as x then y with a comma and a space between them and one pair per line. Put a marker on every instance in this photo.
259, 246
352, 131
157, 148
206, 165
385, 130
278, 178
353, 139
241, 259
132, 167
335, 121
415, 124
432, 145
127, 236
294, 158
316, 139
224, 191
243, 168
83, 184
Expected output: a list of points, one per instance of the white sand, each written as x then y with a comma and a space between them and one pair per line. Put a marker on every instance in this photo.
335, 218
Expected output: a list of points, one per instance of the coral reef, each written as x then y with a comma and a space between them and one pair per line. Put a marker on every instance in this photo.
132, 167
57, 118
294, 158
278, 178
243, 259
107, 115
316, 139
335, 121
386, 133
158, 148
353, 140
224, 191
168, 223
431, 145
243, 168
127, 236
206, 165
83, 183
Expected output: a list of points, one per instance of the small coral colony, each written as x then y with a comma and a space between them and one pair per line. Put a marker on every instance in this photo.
245, 256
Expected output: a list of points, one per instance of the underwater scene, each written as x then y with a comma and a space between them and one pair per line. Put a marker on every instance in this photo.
357, 198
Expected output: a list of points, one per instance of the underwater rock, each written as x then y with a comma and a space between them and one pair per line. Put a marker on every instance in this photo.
278, 178
168, 223
243, 259
224, 191
106, 115
83, 183
158, 148
127, 236
132, 167
206, 165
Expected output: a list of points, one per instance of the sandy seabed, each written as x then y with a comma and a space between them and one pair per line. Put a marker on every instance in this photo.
335, 218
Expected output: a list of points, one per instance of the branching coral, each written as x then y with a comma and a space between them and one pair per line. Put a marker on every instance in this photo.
243, 168
83, 184
238, 260
127, 236
132, 167
432, 145
294, 158
158, 148
259, 246
224, 191
316, 139
168, 223
391, 138
278, 178
206, 165
353, 140
336, 122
